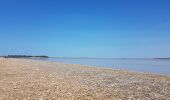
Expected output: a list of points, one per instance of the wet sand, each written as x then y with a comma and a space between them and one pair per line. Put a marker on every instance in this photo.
22, 79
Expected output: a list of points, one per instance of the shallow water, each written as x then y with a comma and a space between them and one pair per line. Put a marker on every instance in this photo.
159, 66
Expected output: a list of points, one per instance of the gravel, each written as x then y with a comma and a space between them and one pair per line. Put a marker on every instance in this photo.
22, 79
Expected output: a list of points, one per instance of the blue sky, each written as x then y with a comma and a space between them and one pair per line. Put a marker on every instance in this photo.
85, 28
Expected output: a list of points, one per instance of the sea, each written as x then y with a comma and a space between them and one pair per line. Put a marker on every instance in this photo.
155, 66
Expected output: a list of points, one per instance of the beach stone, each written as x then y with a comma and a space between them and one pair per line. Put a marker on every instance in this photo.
26, 79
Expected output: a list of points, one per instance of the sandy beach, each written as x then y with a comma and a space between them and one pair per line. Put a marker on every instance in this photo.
22, 79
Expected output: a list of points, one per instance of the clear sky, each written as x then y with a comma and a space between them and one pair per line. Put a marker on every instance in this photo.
85, 28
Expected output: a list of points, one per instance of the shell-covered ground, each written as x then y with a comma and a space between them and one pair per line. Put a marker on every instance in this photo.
22, 79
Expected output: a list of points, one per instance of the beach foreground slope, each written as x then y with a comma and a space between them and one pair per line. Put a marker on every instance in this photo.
23, 79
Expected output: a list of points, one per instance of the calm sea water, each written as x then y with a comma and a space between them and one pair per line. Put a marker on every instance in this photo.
139, 65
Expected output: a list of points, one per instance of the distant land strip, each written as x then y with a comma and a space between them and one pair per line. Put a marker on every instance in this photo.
24, 56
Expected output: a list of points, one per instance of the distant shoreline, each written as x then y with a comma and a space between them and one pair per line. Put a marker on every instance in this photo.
24, 56
44, 56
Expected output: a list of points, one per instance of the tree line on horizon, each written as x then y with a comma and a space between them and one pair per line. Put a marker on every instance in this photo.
24, 56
